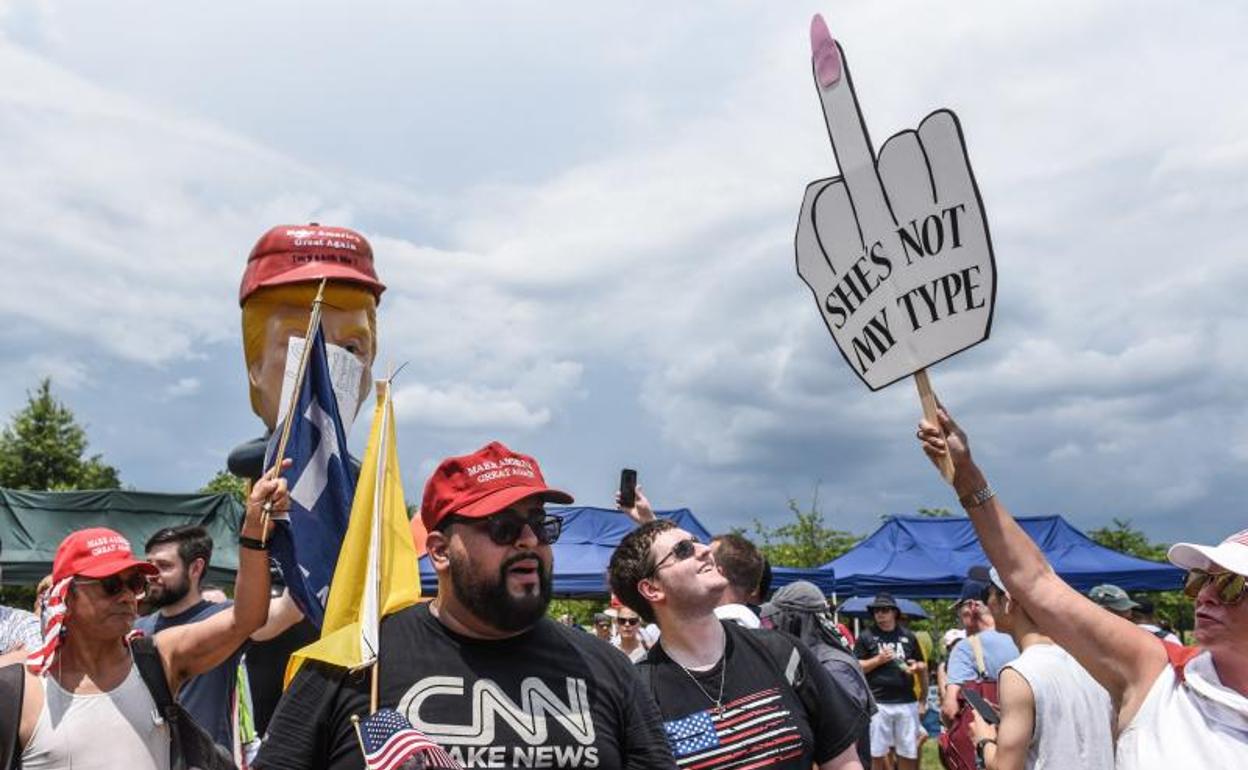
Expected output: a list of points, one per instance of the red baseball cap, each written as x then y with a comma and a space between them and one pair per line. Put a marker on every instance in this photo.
484, 483
96, 553
300, 253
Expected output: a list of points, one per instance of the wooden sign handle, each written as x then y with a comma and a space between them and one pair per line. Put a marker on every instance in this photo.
928, 398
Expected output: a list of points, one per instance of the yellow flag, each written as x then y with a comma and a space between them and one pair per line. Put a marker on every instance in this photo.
377, 571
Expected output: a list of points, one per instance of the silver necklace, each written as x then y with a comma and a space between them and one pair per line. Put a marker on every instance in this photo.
723, 676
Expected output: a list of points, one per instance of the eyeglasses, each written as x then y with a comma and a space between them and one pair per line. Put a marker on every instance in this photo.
628, 621
506, 527
136, 582
682, 550
1230, 586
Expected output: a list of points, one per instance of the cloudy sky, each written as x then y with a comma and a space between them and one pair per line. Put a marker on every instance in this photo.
585, 216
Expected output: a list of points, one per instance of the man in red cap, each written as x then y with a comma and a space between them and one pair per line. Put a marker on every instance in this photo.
481, 670
97, 584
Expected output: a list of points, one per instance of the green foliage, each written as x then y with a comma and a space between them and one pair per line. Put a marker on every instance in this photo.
805, 541
42, 449
226, 483
581, 609
1171, 606
936, 513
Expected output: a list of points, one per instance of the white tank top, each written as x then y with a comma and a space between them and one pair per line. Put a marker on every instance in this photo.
1193, 723
101, 731
1074, 715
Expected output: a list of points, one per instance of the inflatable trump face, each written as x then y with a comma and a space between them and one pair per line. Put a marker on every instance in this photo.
283, 272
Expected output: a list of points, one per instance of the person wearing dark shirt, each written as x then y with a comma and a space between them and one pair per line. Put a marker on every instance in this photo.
891, 658
181, 556
481, 670
730, 696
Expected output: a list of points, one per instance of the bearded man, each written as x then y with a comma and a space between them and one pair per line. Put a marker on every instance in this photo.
181, 556
481, 670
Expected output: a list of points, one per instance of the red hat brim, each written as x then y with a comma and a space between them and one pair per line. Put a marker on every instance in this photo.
503, 498
115, 567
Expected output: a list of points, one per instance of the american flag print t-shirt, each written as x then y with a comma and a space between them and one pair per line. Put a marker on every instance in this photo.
773, 714
753, 731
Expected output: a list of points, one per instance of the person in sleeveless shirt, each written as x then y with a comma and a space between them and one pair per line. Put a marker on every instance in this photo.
1053, 713
1175, 706
87, 707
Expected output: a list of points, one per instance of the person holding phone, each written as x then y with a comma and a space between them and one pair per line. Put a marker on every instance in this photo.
1053, 713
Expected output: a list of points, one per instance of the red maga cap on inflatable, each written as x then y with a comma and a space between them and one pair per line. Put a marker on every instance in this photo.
289, 254
483, 483
96, 553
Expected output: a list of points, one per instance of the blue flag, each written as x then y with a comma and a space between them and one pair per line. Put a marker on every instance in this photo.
322, 485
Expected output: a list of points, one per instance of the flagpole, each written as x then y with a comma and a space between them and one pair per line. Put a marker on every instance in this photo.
314, 320
378, 504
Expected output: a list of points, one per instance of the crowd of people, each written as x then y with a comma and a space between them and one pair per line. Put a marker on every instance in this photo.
695, 663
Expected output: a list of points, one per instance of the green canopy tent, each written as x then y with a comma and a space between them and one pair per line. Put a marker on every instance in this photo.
32, 525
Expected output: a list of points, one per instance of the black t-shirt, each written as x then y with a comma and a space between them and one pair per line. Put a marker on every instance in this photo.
890, 683
765, 720
550, 697
208, 697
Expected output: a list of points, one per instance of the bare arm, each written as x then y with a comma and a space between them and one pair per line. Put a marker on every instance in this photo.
194, 648
949, 703
283, 613
846, 760
641, 512
885, 655
1124, 658
1018, 719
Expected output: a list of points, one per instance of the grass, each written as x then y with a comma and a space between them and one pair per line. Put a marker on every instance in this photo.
929, 758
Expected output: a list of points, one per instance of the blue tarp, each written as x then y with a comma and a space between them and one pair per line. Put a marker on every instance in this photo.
928, 558
590, 536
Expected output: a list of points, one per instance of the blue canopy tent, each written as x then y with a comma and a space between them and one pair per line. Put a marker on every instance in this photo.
927, 558
590, 536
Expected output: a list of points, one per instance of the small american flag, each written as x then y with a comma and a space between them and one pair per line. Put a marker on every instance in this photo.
389, 741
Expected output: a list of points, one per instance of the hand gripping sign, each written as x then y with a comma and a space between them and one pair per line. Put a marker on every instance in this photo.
896, 249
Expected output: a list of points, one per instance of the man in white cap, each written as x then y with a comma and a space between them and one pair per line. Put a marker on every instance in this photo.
1176, 706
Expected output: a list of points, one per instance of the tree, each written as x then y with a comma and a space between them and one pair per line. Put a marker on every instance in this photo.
936, 513
42, 449
227, 483
804, 542
1170, 606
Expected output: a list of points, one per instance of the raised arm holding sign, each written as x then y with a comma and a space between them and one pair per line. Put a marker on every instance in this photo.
896, 249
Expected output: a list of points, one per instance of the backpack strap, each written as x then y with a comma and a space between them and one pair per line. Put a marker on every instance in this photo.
977, 646
1179, 656
152, 670
12, 690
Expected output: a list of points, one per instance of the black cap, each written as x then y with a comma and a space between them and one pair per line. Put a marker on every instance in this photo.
883, 601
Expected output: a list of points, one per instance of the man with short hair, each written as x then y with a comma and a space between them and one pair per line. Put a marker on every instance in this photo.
1175, 706
1114, 599
1053, 713
481, 670
891, 658
983, 643
602, 626
730, 696
742, 566
97, 584
181, 556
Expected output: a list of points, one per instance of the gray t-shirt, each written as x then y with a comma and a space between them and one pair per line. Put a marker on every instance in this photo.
18, 627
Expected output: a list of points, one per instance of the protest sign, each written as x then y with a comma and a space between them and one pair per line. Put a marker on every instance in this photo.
896, 249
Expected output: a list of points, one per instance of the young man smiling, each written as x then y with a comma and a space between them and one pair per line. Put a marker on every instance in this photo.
481, 670
729, 696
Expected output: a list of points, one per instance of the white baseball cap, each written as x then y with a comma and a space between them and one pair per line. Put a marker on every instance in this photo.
1231, 554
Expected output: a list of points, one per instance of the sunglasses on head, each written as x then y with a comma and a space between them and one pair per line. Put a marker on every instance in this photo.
136, 582
681, 551
1230, 586
505, 528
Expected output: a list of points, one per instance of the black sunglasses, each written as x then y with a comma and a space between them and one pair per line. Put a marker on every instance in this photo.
506, 527
628, 621
112, 585
1230, 585
681, 551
